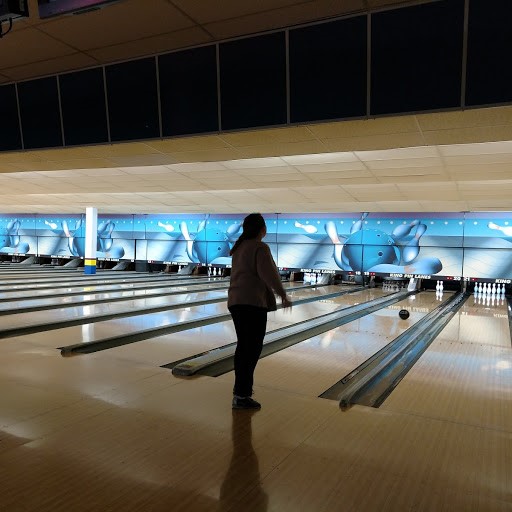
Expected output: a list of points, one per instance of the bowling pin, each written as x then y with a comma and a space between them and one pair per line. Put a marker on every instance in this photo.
167, 227
428, 265
190, 242
65, 228
404, 230
201, 225
233, 230
306, 227
412, 249
330, 229
493, 289
359, 224
505, 230
441, 286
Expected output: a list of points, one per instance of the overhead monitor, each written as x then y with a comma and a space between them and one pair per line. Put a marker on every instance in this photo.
49, 8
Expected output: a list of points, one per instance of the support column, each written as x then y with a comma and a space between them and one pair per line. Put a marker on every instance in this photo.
91, 239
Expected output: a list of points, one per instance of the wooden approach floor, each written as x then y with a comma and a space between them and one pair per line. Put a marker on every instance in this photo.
105, 432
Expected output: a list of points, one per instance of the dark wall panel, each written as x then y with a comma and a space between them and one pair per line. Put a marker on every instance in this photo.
489, 74
84, 112
253, 81
328, 70
417, 57
132, 100
10, 137
188, 91
40, 113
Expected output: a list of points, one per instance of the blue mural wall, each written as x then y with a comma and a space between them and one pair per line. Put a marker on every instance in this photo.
466, 245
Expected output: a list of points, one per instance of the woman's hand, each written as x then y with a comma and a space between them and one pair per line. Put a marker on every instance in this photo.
287, 303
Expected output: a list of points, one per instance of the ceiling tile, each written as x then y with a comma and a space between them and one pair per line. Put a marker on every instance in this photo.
268, 171
102, 27
205, 12
50, 66
365, 127
150, 45
347, 158
484, 148
465, 118
283, 149
468, 135
428, 154
119, 150
210, 155
254, 163
423, 178
302, 12
408, 171
375, 142
142, 160
180, 144
349, 168
193, 167
482, 160
268, 136
30, 45
338, 176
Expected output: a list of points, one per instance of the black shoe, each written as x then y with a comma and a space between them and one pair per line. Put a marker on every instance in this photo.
245, 403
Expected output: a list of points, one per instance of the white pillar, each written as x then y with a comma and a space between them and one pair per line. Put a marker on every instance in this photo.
91, 239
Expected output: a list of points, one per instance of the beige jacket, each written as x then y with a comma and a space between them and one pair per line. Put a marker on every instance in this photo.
254, 276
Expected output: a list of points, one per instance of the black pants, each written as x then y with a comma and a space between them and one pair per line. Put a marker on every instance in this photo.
250, 325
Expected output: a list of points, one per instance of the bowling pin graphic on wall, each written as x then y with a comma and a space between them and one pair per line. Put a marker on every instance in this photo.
373, 250
11, 242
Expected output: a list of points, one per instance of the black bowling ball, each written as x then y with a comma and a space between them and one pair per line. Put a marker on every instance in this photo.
403, 314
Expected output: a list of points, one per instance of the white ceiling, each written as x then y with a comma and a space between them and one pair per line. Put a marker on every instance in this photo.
451, 161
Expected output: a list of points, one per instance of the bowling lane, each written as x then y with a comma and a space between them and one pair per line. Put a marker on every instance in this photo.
18, 300
314, 365
141, 320
465, 376
33, 282
166, 349
76, 288
83, 312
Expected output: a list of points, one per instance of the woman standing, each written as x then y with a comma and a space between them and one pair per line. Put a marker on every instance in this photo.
254, 280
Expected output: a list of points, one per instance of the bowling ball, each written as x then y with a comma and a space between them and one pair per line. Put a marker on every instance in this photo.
403, 314
216, 245
365, 249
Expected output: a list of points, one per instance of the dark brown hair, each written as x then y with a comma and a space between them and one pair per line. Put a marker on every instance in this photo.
252, 226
